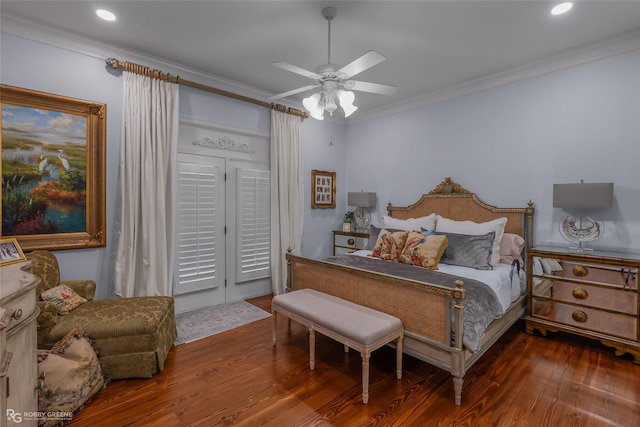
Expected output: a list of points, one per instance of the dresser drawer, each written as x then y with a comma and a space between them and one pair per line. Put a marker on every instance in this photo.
592, 319
612, 299
23, 307
614, 275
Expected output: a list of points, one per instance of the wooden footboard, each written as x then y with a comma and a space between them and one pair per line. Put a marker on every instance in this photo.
428, 312
425, 310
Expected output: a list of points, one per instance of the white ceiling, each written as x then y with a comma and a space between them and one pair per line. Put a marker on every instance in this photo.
430, 46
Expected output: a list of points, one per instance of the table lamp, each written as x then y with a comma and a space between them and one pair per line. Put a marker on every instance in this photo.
582, 196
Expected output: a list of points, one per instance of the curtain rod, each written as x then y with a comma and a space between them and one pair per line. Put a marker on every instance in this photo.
157, 74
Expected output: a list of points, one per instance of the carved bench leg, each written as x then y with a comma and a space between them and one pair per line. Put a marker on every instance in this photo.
399, 358
365, 376
274, 326
312, 348
457, 386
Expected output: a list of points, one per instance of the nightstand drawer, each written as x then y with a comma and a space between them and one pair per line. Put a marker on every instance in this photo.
612, 299
614, 275
347, 241
620, 325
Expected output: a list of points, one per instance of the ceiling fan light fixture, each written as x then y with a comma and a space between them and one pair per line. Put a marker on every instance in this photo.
330, 103
346, 99
313, 105
330, 78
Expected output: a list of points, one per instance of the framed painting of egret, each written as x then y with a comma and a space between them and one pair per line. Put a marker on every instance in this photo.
53, 170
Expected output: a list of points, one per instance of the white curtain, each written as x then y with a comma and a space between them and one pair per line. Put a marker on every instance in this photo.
286, 194
144, 231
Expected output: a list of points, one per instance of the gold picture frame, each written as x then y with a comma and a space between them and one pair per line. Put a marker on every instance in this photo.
53, 170
10, 252
323, 189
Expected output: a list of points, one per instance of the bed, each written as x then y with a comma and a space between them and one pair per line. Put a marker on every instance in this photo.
437, 307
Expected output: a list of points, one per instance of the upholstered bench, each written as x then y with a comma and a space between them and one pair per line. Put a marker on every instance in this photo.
353, 325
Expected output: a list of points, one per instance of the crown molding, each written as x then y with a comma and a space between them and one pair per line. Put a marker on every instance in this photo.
94, 48
627, 42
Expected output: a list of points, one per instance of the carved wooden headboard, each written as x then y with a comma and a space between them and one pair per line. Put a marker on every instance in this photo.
451, 200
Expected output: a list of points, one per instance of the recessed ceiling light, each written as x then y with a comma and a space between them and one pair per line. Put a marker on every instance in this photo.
106, 15
562, 8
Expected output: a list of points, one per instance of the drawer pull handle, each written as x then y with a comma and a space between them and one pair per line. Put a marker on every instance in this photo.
17, 314
351, 242
580, 293
579, 316
580, 271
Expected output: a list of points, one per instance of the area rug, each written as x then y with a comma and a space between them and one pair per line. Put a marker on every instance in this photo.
197, 324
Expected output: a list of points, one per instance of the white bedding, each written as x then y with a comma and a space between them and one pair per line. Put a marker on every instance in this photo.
499, 279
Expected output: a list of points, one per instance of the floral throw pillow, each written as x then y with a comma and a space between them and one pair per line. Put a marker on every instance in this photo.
423, 251
389, 245
70, 375
63, 297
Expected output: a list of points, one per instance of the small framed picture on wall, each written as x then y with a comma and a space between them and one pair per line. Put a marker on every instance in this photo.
323, 189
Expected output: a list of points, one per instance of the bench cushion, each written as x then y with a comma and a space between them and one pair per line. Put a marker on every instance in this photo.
356, 322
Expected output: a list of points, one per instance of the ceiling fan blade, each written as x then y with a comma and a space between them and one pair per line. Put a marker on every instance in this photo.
365, 62
297, 70
371, 87
291, 92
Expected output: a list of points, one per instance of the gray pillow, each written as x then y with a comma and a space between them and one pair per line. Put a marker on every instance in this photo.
469, 251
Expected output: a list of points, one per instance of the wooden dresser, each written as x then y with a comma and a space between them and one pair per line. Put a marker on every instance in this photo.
593, 294
18, 337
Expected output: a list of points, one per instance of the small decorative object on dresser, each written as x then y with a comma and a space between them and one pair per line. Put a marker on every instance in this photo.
348, 241
347, 220
592, 294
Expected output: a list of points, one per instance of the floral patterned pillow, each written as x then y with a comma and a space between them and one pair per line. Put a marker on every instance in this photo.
424, 251
63, 297
389, 245
70, 375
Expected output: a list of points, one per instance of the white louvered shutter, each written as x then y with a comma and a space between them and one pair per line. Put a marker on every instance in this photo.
253, 209
200, 225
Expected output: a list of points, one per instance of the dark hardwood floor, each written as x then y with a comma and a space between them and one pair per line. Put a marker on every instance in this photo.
239, 378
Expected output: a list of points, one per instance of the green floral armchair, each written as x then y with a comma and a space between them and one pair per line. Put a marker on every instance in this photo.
132, 335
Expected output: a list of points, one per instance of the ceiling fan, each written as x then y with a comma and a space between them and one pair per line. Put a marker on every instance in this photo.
330, 79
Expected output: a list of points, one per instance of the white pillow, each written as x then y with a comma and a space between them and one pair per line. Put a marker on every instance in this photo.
447, 225
412, 224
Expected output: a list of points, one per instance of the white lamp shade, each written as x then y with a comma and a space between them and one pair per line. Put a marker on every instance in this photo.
361, 199
346, 99
312, 105
597, 195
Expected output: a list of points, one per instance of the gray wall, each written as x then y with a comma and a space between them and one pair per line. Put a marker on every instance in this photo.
510, 145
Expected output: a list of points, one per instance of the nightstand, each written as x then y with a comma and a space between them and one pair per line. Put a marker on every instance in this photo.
592, 294
348, 241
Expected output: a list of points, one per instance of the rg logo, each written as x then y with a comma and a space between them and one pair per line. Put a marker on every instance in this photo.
16, 417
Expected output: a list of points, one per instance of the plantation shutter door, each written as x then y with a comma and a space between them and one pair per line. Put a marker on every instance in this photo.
253, 199
200, 224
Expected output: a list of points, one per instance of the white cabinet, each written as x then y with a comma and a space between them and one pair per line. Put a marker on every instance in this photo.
18, 337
